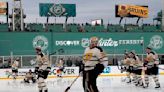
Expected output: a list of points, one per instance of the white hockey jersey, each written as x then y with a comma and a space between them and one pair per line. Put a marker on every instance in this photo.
93, 56
42, 62
152, 57
15, 64
136, 62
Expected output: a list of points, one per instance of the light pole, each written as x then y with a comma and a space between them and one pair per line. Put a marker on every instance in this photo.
143, 47
163, 15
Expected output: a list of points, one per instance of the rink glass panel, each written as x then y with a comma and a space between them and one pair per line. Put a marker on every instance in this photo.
29, 61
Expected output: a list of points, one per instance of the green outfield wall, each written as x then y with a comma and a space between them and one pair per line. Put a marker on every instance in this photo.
23, 43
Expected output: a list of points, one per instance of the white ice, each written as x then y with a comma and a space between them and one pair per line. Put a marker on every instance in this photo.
105, 84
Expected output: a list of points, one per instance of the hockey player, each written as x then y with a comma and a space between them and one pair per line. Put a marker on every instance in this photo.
30, 76
94, 60
60, 67
151, 67
15, 66
43, 70
127, 63
137, 68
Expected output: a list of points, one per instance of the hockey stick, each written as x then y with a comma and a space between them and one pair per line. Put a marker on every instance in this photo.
52, 53
68, 88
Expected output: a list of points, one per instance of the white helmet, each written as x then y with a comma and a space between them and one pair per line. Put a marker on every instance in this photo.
93, 41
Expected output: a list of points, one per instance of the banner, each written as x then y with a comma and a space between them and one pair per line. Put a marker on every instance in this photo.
68, 72
57, 10
131, 11
3, 8
116, 43
3, 4
75, 43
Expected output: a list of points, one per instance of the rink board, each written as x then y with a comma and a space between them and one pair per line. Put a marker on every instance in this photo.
68, 72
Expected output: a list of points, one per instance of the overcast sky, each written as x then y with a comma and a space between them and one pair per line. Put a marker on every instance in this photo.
87, 10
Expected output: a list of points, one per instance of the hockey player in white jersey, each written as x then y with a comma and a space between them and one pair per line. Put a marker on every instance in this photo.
151, 63
95, 60
15, 66
30, 76
43, 70
128, 66
60, 67
136, 69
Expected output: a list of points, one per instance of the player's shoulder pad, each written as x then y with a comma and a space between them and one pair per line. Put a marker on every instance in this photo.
135, 57
86, 49
99, 48
152, 52
42, 54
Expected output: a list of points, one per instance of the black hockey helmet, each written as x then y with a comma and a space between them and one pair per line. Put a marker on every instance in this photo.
148, 47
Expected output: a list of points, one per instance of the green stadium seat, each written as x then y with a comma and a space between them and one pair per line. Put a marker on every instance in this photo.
88, 28
149, 28
115, 28
55, 27
72, 27
99, 28
159, 27
4, 27
119, 28
132, 28
35, 27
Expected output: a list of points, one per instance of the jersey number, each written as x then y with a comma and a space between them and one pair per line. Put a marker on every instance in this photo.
88, 56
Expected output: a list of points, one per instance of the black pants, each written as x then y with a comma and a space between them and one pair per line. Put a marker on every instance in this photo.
90, 77
43, 74
14, 70
137, 71
89, 81
130, 69
152, 71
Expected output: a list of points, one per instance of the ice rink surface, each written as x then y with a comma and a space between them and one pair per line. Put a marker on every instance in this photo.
105, 84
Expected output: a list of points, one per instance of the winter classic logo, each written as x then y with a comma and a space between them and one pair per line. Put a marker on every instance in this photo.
156, 42
102, 42
41, 41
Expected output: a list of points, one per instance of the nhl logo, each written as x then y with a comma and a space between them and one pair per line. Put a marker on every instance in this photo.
85, 42
156, 42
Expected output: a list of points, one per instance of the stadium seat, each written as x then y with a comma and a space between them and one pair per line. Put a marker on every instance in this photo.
88, 28
114, 28
34, 27
55, 27
132, 28
149, 28
72, 28
99, 28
